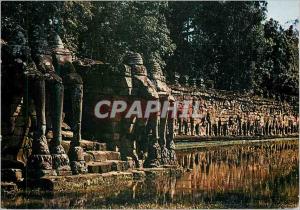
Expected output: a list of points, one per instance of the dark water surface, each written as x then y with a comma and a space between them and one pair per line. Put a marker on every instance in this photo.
260, 175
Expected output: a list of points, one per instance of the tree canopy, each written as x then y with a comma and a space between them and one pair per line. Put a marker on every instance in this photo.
230, 45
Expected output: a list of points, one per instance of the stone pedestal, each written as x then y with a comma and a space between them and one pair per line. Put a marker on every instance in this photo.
60, 161
172, 154
154, 156
164, 155
77, 162
39, 162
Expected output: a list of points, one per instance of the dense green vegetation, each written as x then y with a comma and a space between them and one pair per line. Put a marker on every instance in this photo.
230, 45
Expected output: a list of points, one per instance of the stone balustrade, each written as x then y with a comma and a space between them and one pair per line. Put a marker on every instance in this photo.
224, 113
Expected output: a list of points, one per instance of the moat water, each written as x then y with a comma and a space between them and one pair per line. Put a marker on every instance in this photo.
257, 175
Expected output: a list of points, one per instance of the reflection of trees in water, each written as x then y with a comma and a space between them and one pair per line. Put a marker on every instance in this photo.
263, 170
158, 191
96, 198
262, 175
250, 175
235, 167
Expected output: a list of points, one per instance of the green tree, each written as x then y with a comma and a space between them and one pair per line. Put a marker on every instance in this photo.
71, 16
228, 44
98, 30
282, 57
179, 20
118, 27
224, 41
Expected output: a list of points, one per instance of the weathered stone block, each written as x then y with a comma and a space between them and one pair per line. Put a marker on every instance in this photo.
8, 187
96, 156
86, 145
76, 153
106, 167
92, 168
61, 162
67, 134
88, 157
92, 145
38, 173
104, 155
78, 167
100, 146
63, 173
119, 166
11, 175
83, 182
152, 173
99, 167
138, 175
40, 162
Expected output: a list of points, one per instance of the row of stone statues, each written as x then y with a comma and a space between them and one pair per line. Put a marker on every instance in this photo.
48, 75
152, 139
238, 123
50, 80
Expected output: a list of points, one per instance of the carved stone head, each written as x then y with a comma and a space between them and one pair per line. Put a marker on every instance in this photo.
156, 72
186, 80
18, 37
159, 80
194, 82
55, 41
135, 61
39, 40
133, 58
18, 45
176, 78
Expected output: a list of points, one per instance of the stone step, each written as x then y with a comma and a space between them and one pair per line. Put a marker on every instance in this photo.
11, 175
66, 135
100, 156
8, 188
86, 145
107, 166
104, 183
93, 146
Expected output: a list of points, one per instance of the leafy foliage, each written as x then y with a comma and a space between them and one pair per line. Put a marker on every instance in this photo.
232, 46
71, 16
282, 57
228, 44
118, 27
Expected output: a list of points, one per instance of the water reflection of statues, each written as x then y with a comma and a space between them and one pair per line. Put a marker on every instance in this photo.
143, 89
166, 121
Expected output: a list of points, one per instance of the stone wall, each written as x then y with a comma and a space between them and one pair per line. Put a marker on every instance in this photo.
224, 113
103, 82
15, 142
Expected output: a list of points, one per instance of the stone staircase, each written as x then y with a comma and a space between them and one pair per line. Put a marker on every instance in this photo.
96, 155
99, 159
